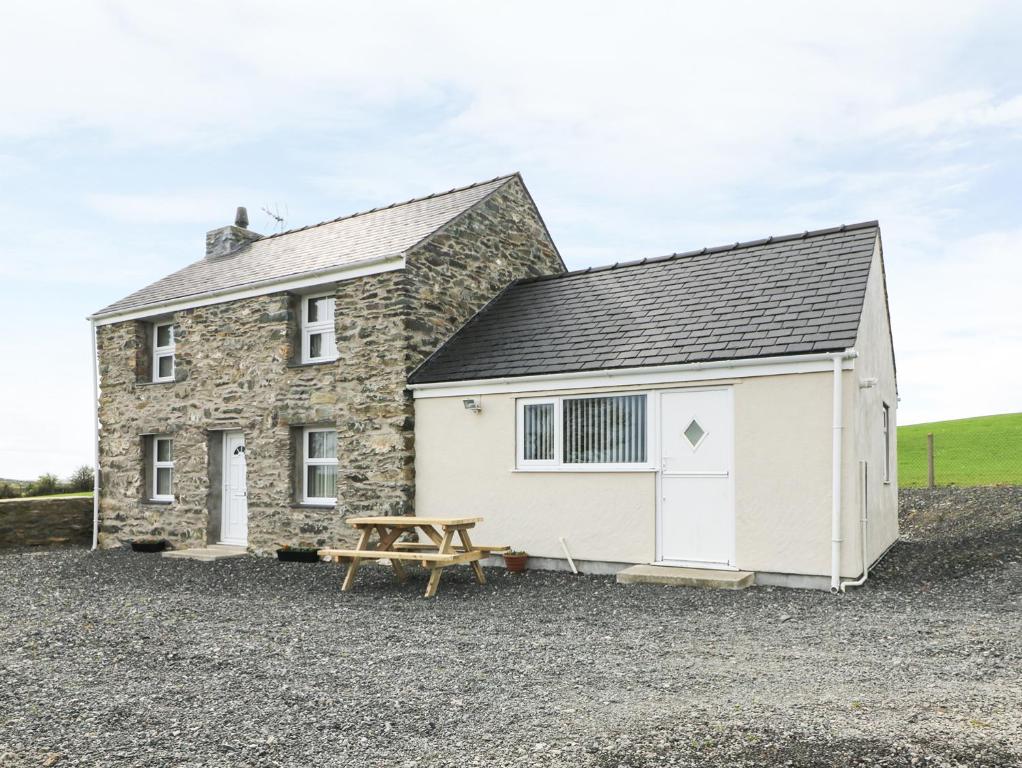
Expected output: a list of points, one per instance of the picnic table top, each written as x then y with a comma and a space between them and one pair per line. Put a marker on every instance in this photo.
412, 520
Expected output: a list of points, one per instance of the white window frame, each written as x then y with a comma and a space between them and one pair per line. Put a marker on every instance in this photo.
159, 352
558, 464
886, 427
311, 462
320, 326
520, 432
158, 465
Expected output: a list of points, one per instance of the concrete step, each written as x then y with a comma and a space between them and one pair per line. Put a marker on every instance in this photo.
686, 577
207, 554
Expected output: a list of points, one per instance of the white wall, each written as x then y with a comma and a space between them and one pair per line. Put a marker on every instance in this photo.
465, 465
783, 470
876, 359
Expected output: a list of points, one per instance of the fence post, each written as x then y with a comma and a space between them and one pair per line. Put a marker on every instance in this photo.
929, 461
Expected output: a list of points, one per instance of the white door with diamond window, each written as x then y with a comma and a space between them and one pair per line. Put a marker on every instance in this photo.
696, 521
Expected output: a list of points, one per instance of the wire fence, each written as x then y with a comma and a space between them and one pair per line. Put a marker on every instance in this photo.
970, 452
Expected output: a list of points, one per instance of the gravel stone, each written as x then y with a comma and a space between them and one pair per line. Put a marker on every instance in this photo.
121, 659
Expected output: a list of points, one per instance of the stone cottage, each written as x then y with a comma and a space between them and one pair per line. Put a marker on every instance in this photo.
259, 395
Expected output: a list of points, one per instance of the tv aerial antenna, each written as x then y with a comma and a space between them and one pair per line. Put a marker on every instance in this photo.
276, 217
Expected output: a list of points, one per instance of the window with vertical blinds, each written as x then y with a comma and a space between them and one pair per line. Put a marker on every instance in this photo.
604, 430
599, 430
538, 432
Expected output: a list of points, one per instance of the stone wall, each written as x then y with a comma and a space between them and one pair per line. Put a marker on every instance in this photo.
234, 370
36, 522
457, 271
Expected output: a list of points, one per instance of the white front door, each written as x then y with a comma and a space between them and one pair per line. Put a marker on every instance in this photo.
234, 514
696, 521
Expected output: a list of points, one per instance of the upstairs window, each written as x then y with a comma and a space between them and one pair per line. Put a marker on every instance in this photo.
592, 432
163, 468
163, 352
319, 343
319, 466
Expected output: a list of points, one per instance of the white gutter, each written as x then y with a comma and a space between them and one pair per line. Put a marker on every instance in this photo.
95, 446
835, 499
615, 375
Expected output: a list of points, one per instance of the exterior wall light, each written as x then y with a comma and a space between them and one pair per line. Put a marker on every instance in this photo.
473, 404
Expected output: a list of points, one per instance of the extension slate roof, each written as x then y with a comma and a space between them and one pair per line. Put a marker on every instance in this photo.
787, 295
338, 243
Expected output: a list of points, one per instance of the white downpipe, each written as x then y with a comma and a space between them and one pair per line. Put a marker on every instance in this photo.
95, 444
835, 502
567, 554
864, 527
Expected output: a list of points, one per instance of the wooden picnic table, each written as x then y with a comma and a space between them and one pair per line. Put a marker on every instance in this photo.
437, 553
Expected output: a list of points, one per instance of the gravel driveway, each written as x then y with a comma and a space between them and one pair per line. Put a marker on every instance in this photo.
121, 659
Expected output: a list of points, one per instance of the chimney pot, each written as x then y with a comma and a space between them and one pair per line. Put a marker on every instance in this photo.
241, 217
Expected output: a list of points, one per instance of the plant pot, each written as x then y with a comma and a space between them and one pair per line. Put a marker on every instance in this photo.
296, 555
515, 563
150, 545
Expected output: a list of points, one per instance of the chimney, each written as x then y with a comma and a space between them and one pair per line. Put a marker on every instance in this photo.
227, 240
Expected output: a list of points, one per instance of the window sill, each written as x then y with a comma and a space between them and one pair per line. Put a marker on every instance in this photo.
157, 502
154, 383
312, 363
303, 505
583, 470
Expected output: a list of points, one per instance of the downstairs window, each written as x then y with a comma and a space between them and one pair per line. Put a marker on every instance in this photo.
319, 466
162, 470
592, 432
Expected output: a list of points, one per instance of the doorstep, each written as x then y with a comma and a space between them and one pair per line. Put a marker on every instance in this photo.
686, 577
207, 554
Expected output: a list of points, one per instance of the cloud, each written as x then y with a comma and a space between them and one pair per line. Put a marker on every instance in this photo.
710, 84
956, 321
128, 129
190, 207
952, 113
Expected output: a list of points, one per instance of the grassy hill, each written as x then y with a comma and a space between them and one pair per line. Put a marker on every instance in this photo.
986, 450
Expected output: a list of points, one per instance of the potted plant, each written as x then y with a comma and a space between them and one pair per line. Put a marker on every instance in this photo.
149, 544
291, 554
515, 560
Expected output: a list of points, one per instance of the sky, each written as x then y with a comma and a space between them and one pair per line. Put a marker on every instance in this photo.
127, 130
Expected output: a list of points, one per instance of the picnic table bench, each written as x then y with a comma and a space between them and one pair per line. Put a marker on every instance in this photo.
439, 552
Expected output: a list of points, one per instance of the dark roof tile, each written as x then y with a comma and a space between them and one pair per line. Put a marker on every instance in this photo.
784, 295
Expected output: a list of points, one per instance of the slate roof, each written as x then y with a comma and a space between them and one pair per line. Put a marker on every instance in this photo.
787, 295
341, 242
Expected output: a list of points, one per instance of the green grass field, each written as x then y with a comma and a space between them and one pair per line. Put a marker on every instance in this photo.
54, 496
986, 450
63, 495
